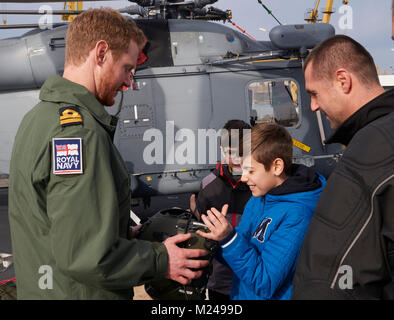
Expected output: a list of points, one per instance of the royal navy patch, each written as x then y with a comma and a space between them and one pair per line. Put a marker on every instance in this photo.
70, 116
67, 156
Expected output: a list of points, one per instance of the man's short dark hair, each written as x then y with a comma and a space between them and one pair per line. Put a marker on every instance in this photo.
341, 51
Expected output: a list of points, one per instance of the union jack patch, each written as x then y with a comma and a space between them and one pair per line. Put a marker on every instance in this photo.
67, 156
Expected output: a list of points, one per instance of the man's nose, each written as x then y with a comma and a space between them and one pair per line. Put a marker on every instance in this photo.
314, 105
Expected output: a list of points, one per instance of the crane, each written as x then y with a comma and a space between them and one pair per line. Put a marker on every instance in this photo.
313, 15
71, 6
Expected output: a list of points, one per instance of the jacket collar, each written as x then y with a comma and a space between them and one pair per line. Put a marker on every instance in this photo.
222, 170
60, 90
376, 108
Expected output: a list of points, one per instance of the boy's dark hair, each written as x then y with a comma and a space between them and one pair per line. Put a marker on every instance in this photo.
269, 141
341, 51
225, 137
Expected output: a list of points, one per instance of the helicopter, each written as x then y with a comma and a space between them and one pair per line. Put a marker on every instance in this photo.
197, 75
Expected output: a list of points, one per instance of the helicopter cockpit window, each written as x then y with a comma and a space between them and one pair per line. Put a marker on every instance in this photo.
274, 101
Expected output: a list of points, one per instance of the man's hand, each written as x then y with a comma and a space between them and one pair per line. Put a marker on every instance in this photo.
180, 262
217, 223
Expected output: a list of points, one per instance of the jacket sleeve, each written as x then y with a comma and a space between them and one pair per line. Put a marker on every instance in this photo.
386, 203
202, 202
84, 214
266, 266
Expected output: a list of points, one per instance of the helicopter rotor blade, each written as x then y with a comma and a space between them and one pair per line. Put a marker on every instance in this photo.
34, 12
170, 9
40, 1
130, 10
29, 26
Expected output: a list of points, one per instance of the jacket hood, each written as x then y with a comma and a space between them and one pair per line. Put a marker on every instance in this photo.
304, 187
376, 108
302, 179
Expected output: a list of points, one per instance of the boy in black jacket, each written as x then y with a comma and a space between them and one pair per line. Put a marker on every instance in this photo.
223, 186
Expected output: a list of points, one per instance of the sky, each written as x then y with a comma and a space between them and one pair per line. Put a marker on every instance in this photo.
367, 21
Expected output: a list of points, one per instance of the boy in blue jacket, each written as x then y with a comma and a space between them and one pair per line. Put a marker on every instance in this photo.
262, 251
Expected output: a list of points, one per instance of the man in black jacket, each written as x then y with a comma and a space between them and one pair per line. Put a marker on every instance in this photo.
348, 251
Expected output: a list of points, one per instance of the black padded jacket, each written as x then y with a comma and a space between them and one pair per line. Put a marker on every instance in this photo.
220, 187
348, 251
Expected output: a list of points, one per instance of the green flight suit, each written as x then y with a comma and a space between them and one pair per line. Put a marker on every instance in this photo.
75, 225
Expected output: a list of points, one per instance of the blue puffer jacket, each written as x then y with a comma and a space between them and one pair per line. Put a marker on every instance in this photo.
263, 250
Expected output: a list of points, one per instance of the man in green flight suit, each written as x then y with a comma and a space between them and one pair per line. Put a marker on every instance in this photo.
69, 192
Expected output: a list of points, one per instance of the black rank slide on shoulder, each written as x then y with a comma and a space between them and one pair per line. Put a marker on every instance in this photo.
70, 116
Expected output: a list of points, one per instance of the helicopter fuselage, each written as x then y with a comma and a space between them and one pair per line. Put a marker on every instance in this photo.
198, 76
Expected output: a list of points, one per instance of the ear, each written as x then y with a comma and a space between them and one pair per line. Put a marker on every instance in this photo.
101, 51
343, 80
278, 166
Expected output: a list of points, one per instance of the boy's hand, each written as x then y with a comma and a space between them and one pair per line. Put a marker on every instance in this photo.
217, 223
